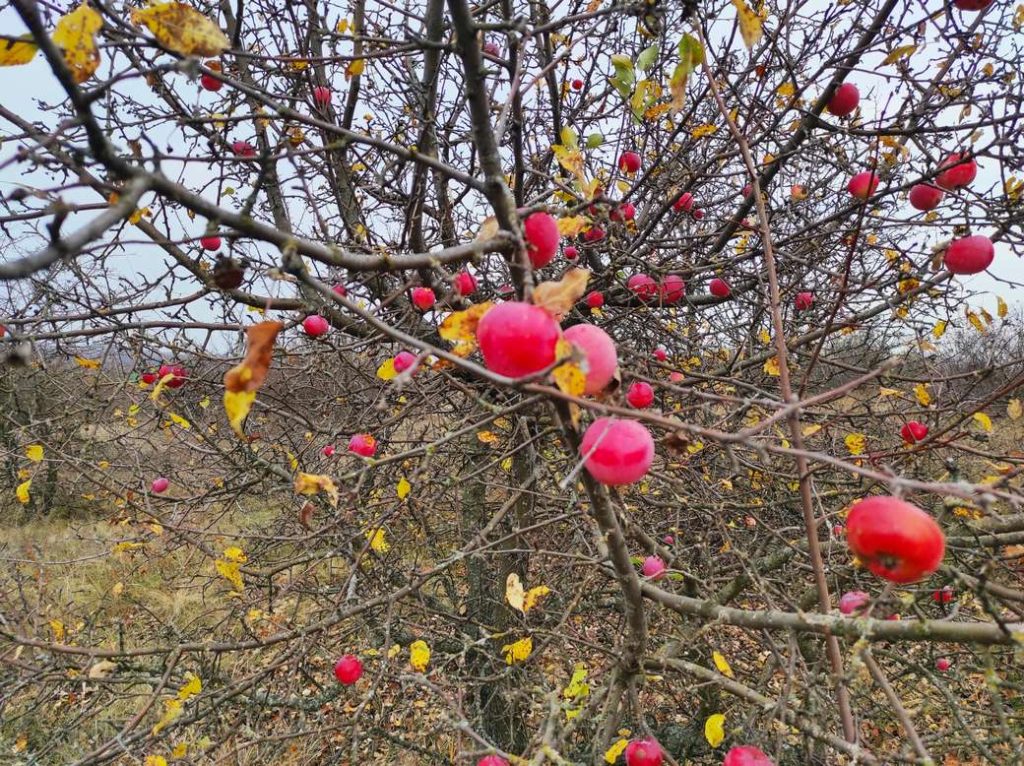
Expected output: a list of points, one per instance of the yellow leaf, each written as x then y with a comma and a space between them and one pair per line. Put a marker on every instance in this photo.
518, 651
404, 487
192, 686
89, 364
611, 755
975, 321
138, 214
786, 90
883, 392
172, 710
180, 750
983, 420
1014, 409
573, 226
856, 443
387, 370
714, 729
514, 593
22, 491
355, 68
343, 25
939, 329
230, 571
763, 336
155, 760
460, 327
488, 437
182, 29
180, 421
419, 655
750, 23
722, 664
75, 34
378, 541
570, 379
904, 51
533, 595
58, 630
204, 402
242, 381
921, 393
1001, 307
34, 452
771, 367
312, 484
15, 51
703, 130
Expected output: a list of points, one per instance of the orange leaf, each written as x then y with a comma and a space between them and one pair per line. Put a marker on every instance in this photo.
243, 381
460, 327
558, 297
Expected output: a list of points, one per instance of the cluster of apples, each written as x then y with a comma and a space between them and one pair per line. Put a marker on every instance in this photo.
178, 375
647, 752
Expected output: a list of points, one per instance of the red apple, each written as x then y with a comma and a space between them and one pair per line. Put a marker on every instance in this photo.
348, 669
913, 431
668, 540
624, 212
654, 567
541, 233
464, 283
643, 752
599, 350
363, 445
593, 234
684, 203
803, 300
340, 290
672, 288
159, 485
969, 255
943, 595
210, 83
617, 451
321, 95
315, 325
719, 288
746, 755
517, 339
972, 5
629, 162
640, 395
491, 48
178, 373
925, 196
423, 298
210, 242
150, 377
660, 354
595, 299
243, 149
571, 253
676, 377
403, 361
863, 185
942, 664
328, 450
492, 760
698, 215
746, 190
896, 540
643, 286
844, 100
960, 170
577, 84
853, 601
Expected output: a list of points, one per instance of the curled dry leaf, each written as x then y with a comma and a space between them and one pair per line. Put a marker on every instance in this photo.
182, 29
488, 228
306, 514
243, 381
313, 484
558, 297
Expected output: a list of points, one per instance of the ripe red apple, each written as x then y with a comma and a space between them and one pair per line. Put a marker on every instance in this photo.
541, 233
464, 283
644, 752
668, 540
643, 286
571, 253
844, 100
942, 664
210, 242
517, 339
178, 373
684, 203
672, 288
896, 540
660, 354
321, 95
969, 255
617, 451
746, 755
593, 234
362, 444
640, 395
719, 288
698, 215
863, 185
595, 299
403, 361
491, 48
599, 350
853, 601
654, 567
676, 377
577, 84
960, 170
624, 212
804, 300
315, 325
150, 377
210, 83
629, 162
913, 431
328, 450
492, 760
925, 196
348, 669
943, 595
423, 298
746, 190
340, 289
159, 485
972, 5
243, 149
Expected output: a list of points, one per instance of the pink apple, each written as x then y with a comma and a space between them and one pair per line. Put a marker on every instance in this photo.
315, 325
599, 350
654, 567
925, 196
362, 444
958, 170
660, 354
624, 212
672, 288
844, 100
464, 283
348, 669
340, 290
328, 451
571, 253
617, 451
517, 339
853, 601
577, 84
643, 286
629, 162
668, 540
321, 95
913, 431
403, 361
942, 664
746, 755
640, 395
804, 300
644, 752
684, 203
747, 190
159, 485
593, 234
969, 255
863, 185
540, 231
492, 760
491, 48
719, 288
595, 299
837, 530
698, 215
210, 242
423, 298
675, 377
243, 149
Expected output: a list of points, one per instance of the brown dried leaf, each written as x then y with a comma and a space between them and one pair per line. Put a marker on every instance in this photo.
557, 298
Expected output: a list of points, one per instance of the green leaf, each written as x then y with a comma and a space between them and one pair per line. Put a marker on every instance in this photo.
569, 138
624, 78
647, 57
691, 56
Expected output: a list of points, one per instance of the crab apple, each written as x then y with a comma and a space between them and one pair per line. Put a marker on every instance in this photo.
595, 299
210, 83
913, 431
746, 190
348, 669
863, 185
617, 451
464, 283
746, 755
719, 288
684, 203
517, 339
423, 298
969, 255
896, 540
643, 752
491, 48
837, 530
624, 212
643, 286
668, 540
853, 601
698, 215
403, 361
315, 325
654, 567
178, 373
340, 290
672, 288
599, 350
243, 149
159, 485
577, 84
804, 300
593, 234
942, 664
150, 377
492, 760
943, 595
571, 253
972, 5
629, 162
925, 196
321, 95
675, 377
640, 395
660, 354
960, 170
541, 233
210, 242
363, 445
844, 100
328, 450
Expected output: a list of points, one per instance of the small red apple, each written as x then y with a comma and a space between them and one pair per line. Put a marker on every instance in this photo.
719, 288
925, 196
942, 664
957, 171
571, 253
684, 203
492, 760
660, 354
896, 540
972, 5
150, 377
943, 595
540, 231
844, 100
698, 215
595, 299
624, 212
643, 286
340, 290
653, 567
423, 298
593, 234
629, 162
517, 339
672, 288
746, 190
210, 83
210, 242
328, 451
348, 669
640, 395
668, 540
321, 96
969, 255
159, 485
403, 361
617, 451
243, 149
863, 185
464, 283
644, 752
746, 755
315, 325
577, 84
676, 377
491, 48
363, 444
853, 601
599, 350
804, 300
913, 431
178, 373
